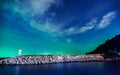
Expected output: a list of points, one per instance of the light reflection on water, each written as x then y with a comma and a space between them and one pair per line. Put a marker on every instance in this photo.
75, 68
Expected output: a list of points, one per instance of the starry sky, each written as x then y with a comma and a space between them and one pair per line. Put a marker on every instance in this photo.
56, 26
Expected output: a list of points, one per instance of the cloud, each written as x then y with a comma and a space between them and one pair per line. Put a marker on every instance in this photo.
41, 6
70, 30
89, 26
30, 9
93, 24
106, 20
47, 27
35, 7
55, 30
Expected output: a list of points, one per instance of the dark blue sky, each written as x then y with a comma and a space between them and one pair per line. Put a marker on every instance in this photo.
57, 26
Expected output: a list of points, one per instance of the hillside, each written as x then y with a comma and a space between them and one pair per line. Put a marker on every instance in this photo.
110, 45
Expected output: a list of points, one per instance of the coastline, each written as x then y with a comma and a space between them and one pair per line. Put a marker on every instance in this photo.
49, 59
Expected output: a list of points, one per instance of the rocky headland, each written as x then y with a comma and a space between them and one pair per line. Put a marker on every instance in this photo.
47, 59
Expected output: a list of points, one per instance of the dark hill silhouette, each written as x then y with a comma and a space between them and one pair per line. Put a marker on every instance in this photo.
110, 45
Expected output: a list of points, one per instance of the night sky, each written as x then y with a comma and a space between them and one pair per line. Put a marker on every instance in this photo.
56, 26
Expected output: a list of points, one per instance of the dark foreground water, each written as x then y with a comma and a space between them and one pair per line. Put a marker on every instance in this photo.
75, 68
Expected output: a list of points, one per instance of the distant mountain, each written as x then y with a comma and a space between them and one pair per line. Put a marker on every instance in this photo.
110, 45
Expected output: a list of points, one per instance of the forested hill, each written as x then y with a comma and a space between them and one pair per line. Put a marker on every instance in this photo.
110, 45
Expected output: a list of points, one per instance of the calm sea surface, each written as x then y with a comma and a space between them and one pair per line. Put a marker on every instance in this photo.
75, 68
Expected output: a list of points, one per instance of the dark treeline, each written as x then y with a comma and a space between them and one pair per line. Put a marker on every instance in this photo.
110, 48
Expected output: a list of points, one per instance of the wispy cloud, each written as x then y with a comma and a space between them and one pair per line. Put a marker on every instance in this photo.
37, 8
34, 7
70, 30
106, 20
93, 24
41, 6
47, 27
89, 26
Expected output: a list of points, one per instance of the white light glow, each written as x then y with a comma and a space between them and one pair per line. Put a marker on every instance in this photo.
19, 52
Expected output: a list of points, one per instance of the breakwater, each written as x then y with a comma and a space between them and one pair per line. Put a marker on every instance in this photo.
46, 59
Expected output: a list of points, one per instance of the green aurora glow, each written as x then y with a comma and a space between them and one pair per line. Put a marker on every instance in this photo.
49, 27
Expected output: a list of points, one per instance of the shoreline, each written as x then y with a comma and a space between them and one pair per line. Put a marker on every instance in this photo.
50, 59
